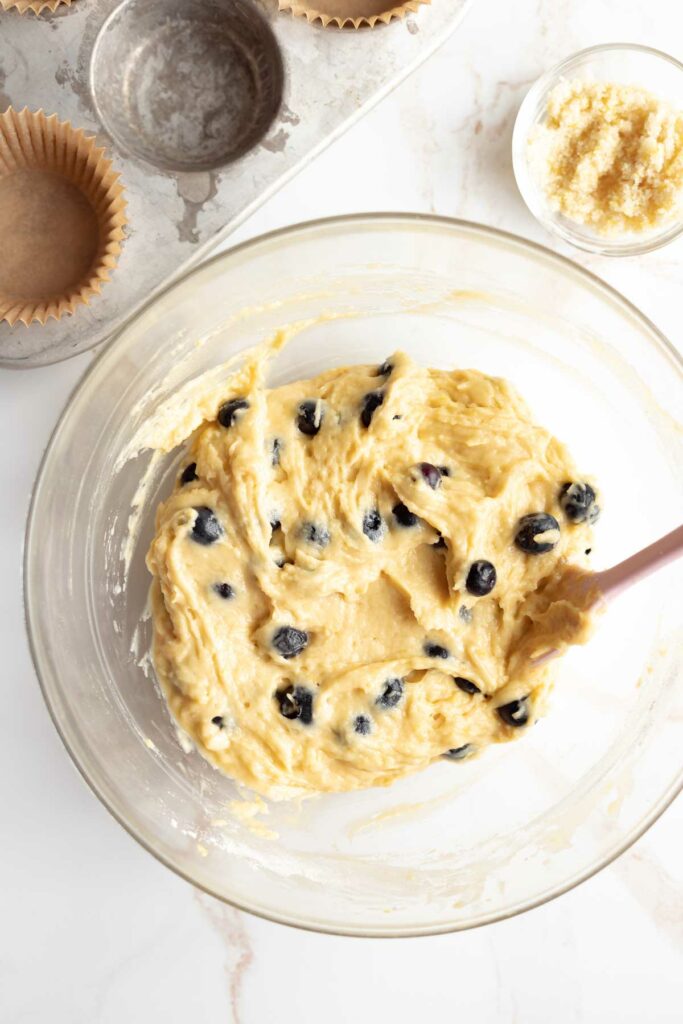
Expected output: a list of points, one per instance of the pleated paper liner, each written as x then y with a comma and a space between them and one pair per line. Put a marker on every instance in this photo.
351, 13
62, 217
37, 6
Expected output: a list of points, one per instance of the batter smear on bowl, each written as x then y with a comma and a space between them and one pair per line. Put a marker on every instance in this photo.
354, 573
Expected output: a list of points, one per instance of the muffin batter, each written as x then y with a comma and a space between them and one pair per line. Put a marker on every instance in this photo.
354, 572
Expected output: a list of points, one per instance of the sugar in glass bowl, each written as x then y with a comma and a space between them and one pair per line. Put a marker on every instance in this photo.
628, 64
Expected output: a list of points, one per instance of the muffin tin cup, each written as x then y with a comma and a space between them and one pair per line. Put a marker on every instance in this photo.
351, 13
187, 85
62, 217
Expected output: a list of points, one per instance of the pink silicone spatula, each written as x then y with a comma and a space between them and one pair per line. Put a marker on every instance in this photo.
611, 582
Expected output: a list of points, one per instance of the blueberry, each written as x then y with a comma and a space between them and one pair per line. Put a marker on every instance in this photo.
275, 451
458, 753
316, 534
372, 401
435, 650
533, 532
289, 641
577, 501
310, 416
466, 685
224, 590
440, 543
465, 613
385, 369
218, 720
373, 525
229, 411
444, 470
296, 702
481, 578
391, 694
516, 713
206, 529
362, 725
403, 515
275, 524
430, 474
189, 473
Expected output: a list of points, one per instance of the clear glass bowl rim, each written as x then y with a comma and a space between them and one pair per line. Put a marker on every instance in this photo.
272, 240
528, 191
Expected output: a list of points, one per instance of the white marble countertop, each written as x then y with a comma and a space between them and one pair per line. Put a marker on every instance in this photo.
93, 929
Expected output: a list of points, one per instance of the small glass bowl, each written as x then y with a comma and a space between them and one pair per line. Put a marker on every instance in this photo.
628, 64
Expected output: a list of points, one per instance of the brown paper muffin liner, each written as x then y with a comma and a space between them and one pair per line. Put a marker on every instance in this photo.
351, 13
62, 217
37, 6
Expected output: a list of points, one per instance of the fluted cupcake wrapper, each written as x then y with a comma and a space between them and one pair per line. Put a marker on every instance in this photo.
36, 6
351, 13
76, 172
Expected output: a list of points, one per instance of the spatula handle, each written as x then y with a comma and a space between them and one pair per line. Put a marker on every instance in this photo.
612, 581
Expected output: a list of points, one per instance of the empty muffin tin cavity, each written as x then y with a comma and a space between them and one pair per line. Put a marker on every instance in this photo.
187, 85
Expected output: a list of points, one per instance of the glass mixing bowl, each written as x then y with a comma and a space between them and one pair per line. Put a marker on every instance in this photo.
462, 843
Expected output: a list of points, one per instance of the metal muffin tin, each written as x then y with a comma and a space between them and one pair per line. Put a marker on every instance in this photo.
207, 107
